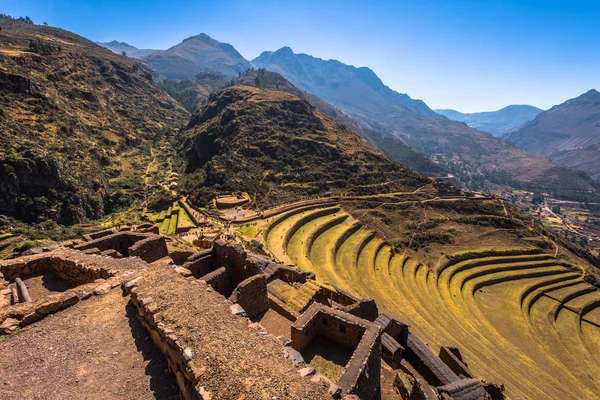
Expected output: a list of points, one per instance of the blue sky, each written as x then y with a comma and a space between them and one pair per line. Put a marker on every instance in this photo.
462, 54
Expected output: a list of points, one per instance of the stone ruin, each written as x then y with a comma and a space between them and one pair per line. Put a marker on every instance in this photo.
212, 292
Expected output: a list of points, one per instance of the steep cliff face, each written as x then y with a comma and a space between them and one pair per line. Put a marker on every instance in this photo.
75, 118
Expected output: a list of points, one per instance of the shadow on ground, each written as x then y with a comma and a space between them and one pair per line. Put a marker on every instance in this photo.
162, 381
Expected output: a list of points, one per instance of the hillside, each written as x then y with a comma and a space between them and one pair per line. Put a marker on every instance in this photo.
77, 123
192, 92
476, 158
196, 54
278, 147
568, 133
132, 51
494, 122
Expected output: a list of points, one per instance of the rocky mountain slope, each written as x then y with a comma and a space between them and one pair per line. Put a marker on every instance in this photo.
477, 158
494, 122
195, 54
77, 121
569, 133
277, 147
132, 51
410, 158
192, 92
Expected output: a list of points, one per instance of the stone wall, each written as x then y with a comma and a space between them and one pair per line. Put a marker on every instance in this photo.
425, 361
221, 280
177, 357
199, 263
180, 257
365, 308
251, 294
451, 357
282, 309
150, 249
362, 373
65, 268
120, 242
101, 234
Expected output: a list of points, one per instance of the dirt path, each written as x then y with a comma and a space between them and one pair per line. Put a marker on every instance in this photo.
96, 349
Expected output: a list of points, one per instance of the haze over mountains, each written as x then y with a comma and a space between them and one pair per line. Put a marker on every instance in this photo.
569, 133
132, 51
495, 122
474, 156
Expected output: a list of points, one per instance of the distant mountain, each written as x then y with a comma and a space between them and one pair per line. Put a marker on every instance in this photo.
569, 133
355, 89
196, 54
120, 47
387, 117
495, 122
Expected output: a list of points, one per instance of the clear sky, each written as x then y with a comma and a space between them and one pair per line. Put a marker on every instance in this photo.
462, 54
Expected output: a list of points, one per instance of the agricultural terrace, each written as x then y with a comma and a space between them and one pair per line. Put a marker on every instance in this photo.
520, 316
174, 219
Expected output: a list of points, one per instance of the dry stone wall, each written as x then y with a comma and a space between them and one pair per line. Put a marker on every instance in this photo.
362, 373
251, 294
151, 249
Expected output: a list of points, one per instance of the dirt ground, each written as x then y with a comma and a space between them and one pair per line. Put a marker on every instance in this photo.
327, 357
388, 374
275, 324
96, 349
43, 284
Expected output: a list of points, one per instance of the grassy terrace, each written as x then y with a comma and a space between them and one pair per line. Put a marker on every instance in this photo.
522, 318
171, 220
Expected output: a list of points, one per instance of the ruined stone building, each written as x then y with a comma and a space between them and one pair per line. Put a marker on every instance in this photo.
232, 324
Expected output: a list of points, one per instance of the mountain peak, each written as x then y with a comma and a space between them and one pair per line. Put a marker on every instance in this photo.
285, 50
195, 54
591, 93
202, 36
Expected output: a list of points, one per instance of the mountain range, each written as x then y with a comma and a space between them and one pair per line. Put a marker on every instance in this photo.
268, 140
495, 122
404, 129
196, 54
131, 51
109, 109
568, 133
476, 158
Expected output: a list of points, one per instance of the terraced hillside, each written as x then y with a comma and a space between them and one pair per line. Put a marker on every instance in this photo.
521, 317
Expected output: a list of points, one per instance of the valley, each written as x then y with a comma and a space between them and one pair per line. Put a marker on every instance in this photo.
286, 227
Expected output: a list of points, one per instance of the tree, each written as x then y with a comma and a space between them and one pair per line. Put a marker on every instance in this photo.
124, 53
537, 198
45, 23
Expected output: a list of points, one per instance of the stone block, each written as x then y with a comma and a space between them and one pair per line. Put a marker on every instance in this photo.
49, 307
9, 325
